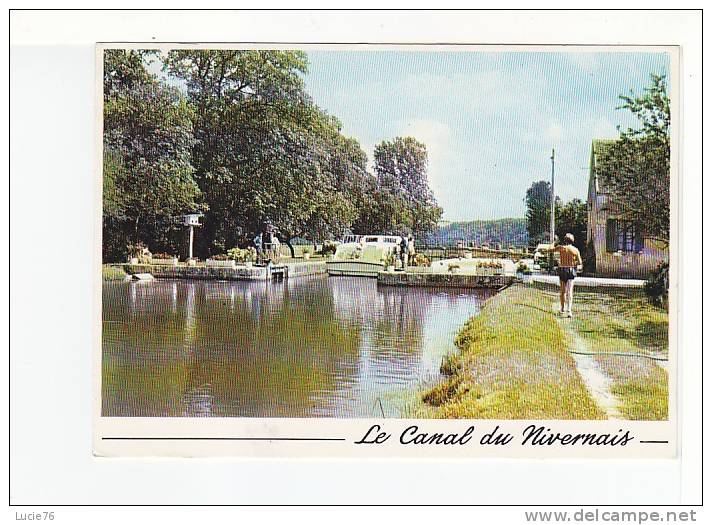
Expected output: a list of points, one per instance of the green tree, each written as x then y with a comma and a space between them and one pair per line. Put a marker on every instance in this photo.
148, 176
240, 139
125, 70
306, 193
636, 168
342, 166
572, 217
538, 203
403, 201
265, 154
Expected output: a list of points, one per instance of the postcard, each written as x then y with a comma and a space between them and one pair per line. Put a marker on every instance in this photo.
386, 250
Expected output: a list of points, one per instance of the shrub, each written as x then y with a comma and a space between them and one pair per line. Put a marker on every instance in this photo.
242, 254
220, 257
140, 251
162, 256
136, 250
451, 364
658, 284
493, 265
113, 273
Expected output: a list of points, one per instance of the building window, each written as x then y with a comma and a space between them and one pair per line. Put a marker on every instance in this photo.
622, 236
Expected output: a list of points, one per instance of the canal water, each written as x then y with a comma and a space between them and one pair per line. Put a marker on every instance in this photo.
309, 347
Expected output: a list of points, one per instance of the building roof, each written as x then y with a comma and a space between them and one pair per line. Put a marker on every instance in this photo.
598, 146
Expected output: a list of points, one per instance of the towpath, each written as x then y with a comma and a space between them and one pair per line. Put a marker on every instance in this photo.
592, 282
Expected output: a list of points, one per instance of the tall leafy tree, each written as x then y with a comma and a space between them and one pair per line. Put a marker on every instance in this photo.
538, 203
342, 170
572, 217
233, 132
125, 70
148, 176
265, 154
403, 202
636, 168
304, 194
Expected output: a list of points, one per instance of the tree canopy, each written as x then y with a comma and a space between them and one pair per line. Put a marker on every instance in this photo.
635, 169
538, 203
234, 133
570, 217
148, 175
403, 202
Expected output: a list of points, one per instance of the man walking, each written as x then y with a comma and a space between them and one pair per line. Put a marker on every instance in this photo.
570, 261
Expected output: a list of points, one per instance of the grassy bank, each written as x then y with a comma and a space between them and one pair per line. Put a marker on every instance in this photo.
513, 364
514, 360
624, 322
112, 273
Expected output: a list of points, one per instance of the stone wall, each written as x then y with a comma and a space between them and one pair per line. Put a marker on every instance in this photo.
240, 273
447, 280
301, 269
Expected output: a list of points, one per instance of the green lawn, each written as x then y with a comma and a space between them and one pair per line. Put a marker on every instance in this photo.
513, 364
514, 360
624, 322
112, 273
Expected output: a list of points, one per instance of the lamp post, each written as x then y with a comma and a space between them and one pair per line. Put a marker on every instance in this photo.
553, 199
552, 235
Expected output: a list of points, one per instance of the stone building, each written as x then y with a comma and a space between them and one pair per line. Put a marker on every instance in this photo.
618, 250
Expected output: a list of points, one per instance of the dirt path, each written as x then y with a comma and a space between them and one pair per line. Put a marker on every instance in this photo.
519, 360
619, 334
597, 382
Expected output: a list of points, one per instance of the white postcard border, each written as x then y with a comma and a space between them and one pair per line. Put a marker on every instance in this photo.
327, 437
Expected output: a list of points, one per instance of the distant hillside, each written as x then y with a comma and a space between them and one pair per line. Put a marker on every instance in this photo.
507, 232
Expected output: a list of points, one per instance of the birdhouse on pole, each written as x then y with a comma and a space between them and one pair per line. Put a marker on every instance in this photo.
191, 220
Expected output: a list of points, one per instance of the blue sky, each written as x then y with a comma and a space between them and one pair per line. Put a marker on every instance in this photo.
489, 120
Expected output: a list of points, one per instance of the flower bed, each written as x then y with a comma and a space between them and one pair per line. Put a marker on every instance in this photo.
421, 260
524, 273
489, 268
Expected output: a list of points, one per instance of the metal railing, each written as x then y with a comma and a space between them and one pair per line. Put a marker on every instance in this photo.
437, 252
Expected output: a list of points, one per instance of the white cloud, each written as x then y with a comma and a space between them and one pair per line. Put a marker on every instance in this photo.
489, 122
553, 132
437, 138
604, 129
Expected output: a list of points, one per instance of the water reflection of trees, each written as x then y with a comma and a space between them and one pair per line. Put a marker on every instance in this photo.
142, 356
227, 349
390, 321
299, 348
272, 364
